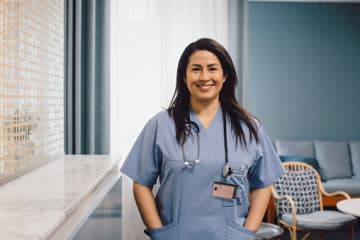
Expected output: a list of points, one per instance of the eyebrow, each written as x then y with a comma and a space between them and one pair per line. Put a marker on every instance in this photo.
209, 65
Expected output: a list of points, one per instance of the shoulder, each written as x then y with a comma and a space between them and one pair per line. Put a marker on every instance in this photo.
255, 122
257, 126
160, 119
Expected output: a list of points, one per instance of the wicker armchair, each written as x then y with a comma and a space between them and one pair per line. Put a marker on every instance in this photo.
298, 197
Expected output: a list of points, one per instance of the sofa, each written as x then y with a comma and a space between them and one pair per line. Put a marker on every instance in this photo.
338, 164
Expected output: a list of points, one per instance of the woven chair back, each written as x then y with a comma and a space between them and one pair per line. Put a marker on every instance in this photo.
300, 182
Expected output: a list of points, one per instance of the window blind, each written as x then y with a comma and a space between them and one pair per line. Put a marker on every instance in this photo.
31, 82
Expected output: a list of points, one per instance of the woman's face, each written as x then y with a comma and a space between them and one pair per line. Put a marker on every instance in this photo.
204, 77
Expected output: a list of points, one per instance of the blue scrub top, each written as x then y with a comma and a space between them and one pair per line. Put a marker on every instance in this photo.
184, 201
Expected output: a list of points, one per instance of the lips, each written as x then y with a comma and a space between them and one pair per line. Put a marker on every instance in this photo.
205, 87
204, 84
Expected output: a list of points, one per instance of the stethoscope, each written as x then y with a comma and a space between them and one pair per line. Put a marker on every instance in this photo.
189, 126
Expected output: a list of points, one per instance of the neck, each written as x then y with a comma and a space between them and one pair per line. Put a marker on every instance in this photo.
205, 107
205, 111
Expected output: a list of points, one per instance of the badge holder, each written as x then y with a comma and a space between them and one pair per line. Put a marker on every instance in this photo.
226, 191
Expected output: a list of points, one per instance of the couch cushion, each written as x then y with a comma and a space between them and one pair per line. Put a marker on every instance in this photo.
355, 158
348, 185
295, 148
333, 159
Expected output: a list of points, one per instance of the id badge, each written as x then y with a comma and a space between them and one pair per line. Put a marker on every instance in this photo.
224, 190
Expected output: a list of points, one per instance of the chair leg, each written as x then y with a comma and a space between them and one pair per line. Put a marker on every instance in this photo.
321, 235
307, 235
292, 232
350, 232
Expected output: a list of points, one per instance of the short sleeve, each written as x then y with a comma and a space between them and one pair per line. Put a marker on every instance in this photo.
142, 163
267, 166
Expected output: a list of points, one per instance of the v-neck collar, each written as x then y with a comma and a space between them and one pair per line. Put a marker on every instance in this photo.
217, 118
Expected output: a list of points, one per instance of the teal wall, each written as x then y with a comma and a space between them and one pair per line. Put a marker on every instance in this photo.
304, 69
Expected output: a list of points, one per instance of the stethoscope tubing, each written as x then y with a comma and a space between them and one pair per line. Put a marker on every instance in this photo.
191, 163
187, 162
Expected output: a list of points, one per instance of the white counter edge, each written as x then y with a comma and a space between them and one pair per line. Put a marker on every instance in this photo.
80, 214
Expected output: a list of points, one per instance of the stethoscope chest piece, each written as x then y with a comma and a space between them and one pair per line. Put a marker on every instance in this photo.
191, 163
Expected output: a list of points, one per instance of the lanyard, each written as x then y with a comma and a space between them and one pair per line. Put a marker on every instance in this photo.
226, 170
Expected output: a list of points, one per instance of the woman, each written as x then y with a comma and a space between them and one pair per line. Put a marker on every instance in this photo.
214, 161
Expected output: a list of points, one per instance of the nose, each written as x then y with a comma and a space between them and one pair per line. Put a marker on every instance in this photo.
204, 75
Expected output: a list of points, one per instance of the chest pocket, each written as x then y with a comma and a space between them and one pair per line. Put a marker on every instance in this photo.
239, 178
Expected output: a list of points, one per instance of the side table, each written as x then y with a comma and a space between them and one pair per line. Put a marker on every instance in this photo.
350, 206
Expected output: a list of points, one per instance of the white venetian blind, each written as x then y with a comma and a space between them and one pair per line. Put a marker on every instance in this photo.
31, 82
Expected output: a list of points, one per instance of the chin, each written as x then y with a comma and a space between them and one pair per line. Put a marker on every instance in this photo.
206, 99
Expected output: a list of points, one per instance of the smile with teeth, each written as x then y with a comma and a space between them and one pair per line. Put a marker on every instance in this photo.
205, 85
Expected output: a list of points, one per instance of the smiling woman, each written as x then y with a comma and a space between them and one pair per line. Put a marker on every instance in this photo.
147, 39
204, 78
223, 194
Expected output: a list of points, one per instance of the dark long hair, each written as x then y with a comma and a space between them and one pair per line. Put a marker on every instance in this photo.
180, 103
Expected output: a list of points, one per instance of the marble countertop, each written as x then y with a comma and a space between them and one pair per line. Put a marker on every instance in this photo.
36, 204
